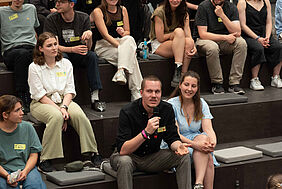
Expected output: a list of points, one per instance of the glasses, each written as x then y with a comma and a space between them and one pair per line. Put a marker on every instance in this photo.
61, 1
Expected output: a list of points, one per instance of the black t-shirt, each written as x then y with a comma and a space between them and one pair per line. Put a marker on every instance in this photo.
69, 33
133, 118
206, 17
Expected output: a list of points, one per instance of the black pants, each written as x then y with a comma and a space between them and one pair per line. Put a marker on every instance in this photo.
259, 55
18, 59
90, 62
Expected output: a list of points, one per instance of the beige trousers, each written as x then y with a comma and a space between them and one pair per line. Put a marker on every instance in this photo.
123, 57
52, 137
212, 49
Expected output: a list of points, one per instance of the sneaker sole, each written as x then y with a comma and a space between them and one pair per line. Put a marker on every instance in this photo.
240, 92
256, 89
276, 87
44, 172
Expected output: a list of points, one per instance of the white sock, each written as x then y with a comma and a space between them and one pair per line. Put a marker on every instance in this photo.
178, 64
94, 95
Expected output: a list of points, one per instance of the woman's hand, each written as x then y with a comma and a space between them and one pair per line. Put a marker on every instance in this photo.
65, 126
120, 31
64, 113
203, 146
191, 52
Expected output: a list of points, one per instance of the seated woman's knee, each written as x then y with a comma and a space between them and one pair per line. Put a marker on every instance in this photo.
179, 32
202, 137
57, 117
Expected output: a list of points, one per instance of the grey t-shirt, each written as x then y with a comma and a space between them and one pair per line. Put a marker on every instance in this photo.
15, 147
69, 33
17, 27
205, 16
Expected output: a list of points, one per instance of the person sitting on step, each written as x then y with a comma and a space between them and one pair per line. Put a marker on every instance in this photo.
19, 147
51, 83
171, 36
116, 45
256, 23
192, 114
274, 181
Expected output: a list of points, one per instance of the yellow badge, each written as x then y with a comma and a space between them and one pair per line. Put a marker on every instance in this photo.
13, 17
219, 19
73, 39
161, 129
19, 146
120, 23
61, 74
88, 2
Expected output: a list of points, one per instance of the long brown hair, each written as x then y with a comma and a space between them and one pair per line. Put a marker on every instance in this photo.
7, 104
38, 56
181, 13
196, 98
104, 7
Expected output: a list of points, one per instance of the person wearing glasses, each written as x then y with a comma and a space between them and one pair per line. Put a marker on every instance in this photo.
19, 147
75, 39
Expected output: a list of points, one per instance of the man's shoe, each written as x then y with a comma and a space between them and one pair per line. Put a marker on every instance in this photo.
198, 186
276, 81
96, 160
45, 166
176, 77
120, 77
256, 84
217, 88
98, 106
236, 89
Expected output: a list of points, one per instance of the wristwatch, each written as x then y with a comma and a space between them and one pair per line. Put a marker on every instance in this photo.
64, 106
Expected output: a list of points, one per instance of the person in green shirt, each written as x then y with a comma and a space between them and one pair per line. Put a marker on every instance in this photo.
19, 147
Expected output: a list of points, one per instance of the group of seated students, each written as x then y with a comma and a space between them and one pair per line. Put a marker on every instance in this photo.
147, 123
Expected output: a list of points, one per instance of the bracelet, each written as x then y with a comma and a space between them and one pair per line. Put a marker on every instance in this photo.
257, 37
65, 107
143, 135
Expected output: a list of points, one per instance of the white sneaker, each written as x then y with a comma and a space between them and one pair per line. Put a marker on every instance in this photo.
256, 84
120, 77
276, 81
135, 94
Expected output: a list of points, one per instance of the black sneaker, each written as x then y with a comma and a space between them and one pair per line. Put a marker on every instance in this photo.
236, 89
176, 76
45, 166
96, 160
217, 88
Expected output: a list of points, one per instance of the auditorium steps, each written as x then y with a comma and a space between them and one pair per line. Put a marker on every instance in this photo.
258, 120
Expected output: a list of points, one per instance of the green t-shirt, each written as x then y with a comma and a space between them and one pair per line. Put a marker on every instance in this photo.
17, 27
160, 12
16, 147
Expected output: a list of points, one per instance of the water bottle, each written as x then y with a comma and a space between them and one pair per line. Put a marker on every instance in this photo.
145, 49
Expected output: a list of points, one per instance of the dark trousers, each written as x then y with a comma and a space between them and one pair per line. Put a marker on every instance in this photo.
18, 59
259, 55
90, 62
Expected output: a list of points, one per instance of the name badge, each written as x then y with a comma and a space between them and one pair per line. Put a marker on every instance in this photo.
219, 19
72, 39
61, 74
19, 146
161, 129
13, 17
120, 23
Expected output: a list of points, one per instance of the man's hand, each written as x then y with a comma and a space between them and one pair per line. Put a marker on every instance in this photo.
86, 35
79, 49
15, 184
22, 175
182, 149
152, 125
219, 11
231, 38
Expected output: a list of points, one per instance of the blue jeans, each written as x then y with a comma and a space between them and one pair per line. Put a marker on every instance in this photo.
90, 62
32, 181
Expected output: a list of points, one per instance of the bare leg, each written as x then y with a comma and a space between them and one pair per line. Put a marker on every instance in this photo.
200, 161
209, 176
255, 71
189, 45
276, 69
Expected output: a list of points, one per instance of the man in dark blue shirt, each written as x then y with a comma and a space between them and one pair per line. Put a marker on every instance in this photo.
142, 125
